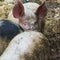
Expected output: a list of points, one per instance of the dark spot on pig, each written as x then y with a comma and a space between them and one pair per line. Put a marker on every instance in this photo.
21, 37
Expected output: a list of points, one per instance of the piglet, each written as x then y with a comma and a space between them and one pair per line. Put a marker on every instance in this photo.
8, 30
30, 18
29, 45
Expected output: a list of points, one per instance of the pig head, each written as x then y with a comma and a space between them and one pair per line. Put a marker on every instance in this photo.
28, 19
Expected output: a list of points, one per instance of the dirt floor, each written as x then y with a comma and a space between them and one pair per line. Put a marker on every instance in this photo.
52, 29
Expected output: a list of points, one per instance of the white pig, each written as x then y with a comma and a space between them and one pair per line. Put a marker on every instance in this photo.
29, 45
28, 15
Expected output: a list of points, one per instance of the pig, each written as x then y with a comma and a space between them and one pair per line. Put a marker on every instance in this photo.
30, 16
29, 45
30, 6
8, 30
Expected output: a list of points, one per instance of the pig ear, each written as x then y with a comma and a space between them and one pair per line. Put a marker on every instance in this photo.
18, 10
41, 12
